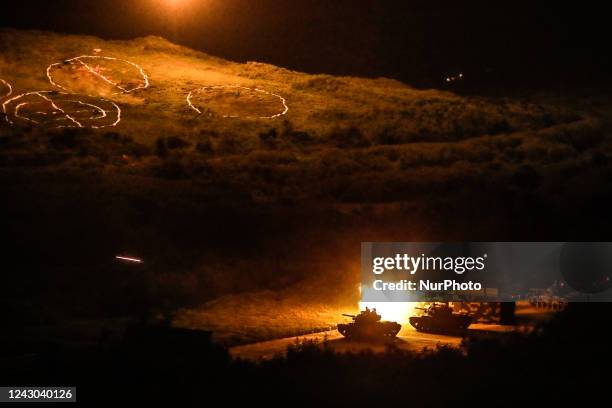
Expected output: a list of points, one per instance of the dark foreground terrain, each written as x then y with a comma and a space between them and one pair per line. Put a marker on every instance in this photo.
554, 364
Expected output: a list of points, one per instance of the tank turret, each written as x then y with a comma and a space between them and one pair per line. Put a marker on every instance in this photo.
368, 325
440, 318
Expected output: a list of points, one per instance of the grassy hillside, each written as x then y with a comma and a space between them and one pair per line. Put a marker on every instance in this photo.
221, 206
339, 134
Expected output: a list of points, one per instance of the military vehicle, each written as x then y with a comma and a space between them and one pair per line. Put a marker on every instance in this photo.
368, 326
440, 318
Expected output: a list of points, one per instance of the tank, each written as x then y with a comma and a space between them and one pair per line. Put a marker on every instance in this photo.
368, 326
440, 318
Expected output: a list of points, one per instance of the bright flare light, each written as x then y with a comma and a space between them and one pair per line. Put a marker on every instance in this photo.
393, 311
174, 4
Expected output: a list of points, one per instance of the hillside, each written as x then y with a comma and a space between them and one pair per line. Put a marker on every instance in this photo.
334, 126
250, 179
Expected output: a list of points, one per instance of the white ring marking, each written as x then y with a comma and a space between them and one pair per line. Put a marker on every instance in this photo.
93, 71
283, 100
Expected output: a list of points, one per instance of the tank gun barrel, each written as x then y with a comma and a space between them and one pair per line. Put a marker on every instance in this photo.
348, 315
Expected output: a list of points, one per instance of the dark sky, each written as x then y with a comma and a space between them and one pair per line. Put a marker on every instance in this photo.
417, 41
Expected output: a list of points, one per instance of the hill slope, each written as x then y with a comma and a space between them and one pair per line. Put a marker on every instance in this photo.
336, 126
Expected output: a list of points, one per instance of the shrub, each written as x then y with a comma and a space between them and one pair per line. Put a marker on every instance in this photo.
301, 138
269, 138
349, 138
295, 136
163, 145
393, 136
172, 169
66, 139
230, 144
138, 150
161, 149
204, 147
114, 136
175, 142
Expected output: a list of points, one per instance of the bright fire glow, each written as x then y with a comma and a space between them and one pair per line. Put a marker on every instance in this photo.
174, 3
394, 311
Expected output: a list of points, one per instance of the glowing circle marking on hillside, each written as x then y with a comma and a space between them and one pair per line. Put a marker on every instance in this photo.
284, 108
50, 107
5, 89
96, 72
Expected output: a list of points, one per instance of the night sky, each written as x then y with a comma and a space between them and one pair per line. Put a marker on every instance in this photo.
417, 41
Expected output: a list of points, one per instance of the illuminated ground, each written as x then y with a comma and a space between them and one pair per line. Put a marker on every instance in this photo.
55, 110
318, 104
407, 339
231, 101
97, 75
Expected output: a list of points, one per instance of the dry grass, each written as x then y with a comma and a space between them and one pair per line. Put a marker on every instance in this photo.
250, 317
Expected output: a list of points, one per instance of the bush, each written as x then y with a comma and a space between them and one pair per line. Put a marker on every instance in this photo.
138, 150
67, 139
172, 169
163, 145
391, 136
161, 149
115, 137
175, 142
295, 136
269, 138
230, 144
349, 138
204, 147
